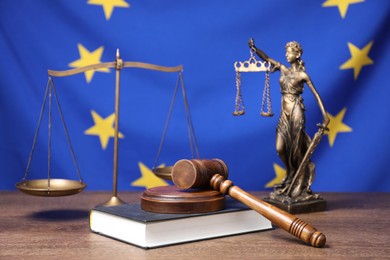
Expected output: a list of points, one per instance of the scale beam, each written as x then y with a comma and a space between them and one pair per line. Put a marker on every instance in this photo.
126, 64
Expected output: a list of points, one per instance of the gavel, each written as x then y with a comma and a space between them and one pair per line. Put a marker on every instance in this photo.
213, 173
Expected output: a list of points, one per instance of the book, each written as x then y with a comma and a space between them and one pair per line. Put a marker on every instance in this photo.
130, 224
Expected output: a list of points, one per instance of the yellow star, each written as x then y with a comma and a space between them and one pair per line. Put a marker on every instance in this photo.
103, 128
148, 179
341, 4
359, 58
280, 174
88, 58
336, 126
108, 5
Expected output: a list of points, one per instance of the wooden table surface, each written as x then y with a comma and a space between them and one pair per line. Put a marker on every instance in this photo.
356, 225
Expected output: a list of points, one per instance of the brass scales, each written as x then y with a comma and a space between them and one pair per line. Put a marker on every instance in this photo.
61, 187
253, 65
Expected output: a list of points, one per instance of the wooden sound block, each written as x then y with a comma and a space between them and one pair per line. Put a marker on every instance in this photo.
169, 199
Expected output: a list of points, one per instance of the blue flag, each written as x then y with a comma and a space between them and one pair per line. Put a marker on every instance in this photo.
345, 50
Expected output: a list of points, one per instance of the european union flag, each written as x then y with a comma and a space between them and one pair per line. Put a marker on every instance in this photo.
345, 49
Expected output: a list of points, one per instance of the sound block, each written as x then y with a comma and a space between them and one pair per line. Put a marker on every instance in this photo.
314, 205
169, 199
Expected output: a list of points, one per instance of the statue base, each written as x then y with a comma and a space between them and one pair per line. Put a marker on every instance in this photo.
312, 205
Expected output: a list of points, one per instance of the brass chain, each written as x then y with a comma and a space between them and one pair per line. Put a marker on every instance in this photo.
239, 103
266, 99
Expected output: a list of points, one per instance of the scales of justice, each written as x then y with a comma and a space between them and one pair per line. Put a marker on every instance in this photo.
62, 187
200, 185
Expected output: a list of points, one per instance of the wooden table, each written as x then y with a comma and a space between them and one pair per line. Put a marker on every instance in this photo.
356, 225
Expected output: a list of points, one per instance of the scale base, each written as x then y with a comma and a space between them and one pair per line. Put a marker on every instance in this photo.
114, 201
169, 199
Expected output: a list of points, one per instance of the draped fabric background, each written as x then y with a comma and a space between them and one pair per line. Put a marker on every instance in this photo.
346, 52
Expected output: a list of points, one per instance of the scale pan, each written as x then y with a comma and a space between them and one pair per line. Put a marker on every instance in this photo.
58, 187
163, 172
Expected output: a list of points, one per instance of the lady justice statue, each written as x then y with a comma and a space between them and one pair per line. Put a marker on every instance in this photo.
293, 144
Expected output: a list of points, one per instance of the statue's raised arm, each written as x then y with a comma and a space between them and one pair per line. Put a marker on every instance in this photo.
275, 64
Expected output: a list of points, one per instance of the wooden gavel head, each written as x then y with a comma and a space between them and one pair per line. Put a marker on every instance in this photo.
196, 173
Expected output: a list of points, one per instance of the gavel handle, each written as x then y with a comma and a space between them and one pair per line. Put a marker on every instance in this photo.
280, 218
